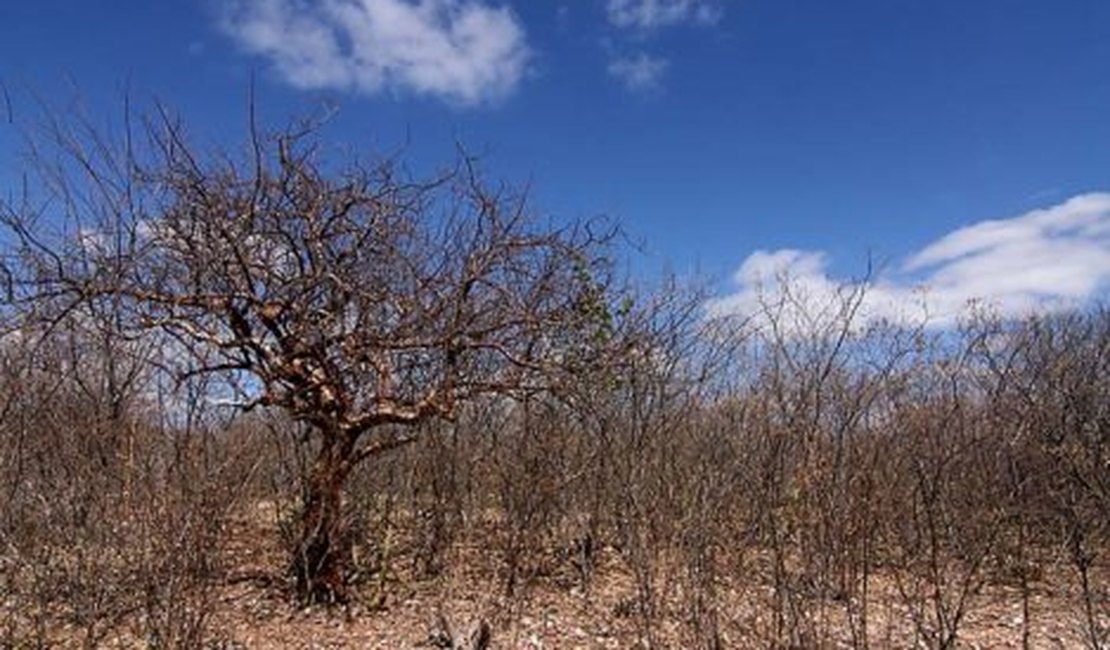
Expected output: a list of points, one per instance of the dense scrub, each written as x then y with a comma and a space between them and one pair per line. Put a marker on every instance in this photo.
834, 480
419, 380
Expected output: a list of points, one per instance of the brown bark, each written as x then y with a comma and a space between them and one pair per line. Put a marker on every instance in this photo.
321, 556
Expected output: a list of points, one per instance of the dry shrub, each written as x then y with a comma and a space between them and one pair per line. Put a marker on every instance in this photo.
114, 523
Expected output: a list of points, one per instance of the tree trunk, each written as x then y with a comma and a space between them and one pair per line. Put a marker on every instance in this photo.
321, 556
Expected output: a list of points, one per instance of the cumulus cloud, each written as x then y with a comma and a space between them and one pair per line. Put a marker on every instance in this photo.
651, 14
466, 52
640, 72
1044, 260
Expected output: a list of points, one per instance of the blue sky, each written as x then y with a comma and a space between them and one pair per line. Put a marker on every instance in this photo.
963, 144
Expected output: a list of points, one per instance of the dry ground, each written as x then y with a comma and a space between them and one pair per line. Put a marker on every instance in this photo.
554, 610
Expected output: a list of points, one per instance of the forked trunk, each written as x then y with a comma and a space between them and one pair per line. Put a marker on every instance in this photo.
321, 556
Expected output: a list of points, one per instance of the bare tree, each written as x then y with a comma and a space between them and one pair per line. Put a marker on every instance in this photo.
356, 299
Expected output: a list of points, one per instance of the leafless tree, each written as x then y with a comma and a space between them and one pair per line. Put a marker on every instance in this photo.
354, 298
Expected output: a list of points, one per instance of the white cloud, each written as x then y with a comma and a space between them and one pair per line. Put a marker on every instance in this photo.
639, 72
466, 52
650, 14
1044, 260
641, 18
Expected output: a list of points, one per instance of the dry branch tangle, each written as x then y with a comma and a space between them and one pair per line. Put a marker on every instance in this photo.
356, 300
